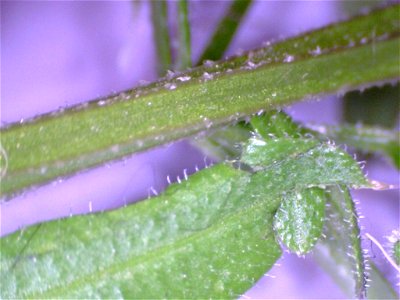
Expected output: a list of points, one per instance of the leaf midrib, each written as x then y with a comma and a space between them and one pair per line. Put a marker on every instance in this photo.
157, 252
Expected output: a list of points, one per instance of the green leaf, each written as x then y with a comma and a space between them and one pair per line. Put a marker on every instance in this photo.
208, 237
226, 30
340, 253
276, 124
379, 287
345, 56
321, 165
223, 143
300, 219
275, 135
187, 243
259, 153
366, 138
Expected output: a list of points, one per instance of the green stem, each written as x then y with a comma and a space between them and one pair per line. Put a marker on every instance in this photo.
159, 14
226, 30
64, 142
184, 35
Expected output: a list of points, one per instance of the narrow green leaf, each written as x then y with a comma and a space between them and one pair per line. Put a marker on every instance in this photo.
185, 244
226, 30
379, 287
345, 56
185, 57
159, 17
299, 220
367, 139
340, 253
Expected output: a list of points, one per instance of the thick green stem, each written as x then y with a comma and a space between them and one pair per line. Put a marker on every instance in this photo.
305, 67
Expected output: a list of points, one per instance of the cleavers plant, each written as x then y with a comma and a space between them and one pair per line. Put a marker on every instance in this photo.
214, 234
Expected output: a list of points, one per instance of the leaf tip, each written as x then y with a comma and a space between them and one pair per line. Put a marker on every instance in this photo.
380, 186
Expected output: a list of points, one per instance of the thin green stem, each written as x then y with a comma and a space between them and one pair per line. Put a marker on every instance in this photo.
225, 30
159, 14
185, 60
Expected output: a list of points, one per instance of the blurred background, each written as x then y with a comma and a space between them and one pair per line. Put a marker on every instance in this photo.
58, 54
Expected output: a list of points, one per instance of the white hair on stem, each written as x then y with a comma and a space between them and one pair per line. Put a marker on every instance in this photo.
387, 256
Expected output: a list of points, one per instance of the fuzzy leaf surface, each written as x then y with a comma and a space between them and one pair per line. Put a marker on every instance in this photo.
367, 139
321, 165
208, 237
178, 245
259, 152
276, 124
299, 220
340, 253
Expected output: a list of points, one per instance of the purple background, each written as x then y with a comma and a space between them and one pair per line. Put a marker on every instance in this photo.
57, 54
